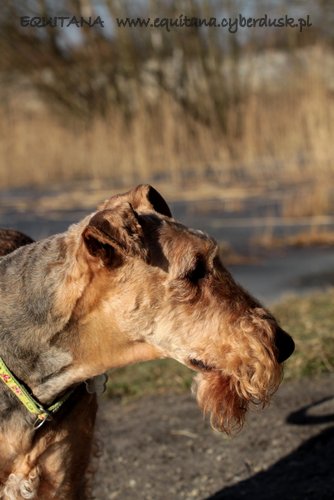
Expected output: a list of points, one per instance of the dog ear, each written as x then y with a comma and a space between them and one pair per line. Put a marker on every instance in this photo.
113, 234
146, 196
143, 197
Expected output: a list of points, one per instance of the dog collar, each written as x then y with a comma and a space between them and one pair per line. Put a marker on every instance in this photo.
30, 403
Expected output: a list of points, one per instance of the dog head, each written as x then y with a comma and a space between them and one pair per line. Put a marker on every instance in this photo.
164, 285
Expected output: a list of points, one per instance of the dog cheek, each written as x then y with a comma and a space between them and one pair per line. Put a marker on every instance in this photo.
218, 398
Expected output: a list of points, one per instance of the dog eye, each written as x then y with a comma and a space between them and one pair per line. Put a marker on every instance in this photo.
198, 272
197, 363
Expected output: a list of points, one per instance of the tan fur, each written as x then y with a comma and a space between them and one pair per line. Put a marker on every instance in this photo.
127, 284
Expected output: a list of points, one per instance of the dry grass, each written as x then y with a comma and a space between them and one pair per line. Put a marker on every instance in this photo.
310, 320
313, 199
315, 236
282, 136
40, 149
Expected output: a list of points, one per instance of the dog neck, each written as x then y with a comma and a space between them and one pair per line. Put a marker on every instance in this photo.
56, 338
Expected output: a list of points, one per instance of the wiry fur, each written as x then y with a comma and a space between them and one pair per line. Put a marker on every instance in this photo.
20, 486
124, 285
25, 481
251, 374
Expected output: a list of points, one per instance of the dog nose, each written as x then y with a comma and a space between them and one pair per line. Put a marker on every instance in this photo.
285, 345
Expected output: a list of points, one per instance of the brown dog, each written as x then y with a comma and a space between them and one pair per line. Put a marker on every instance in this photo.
11, 240
75, 423
126, 284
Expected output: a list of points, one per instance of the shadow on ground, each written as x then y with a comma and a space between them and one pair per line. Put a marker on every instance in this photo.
304, 474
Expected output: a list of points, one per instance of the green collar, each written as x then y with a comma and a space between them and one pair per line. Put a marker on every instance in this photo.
31, 404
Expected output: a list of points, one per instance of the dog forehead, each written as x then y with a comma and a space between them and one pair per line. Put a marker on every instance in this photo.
174, 236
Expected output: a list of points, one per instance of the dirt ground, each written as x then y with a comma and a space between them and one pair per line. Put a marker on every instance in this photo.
159, 448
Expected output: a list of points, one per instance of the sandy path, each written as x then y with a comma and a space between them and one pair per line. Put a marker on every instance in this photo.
159, 448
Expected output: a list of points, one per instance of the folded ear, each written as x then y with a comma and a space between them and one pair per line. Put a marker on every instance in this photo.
144, 197
113, 234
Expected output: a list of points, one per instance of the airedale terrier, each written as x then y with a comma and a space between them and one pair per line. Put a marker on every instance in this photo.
126, 284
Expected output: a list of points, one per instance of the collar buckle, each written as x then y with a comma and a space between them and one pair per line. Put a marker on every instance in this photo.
41, 419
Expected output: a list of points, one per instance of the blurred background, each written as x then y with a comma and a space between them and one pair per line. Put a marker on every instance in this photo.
188, 106
234, 128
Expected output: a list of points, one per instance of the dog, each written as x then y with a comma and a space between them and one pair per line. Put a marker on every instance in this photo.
11, 240
126, 284
82, 410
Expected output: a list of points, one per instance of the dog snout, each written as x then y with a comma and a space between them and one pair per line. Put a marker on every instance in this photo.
285, 345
